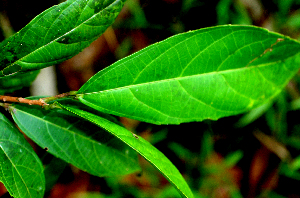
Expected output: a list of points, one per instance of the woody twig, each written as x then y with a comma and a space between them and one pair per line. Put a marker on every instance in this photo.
11, 99
40, 102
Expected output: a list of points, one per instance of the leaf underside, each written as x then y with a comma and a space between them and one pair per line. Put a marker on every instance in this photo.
21, 171
204, 74
144, 148
57, 34
76, 140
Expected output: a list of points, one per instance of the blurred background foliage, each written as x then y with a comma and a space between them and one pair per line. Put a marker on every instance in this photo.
251, 155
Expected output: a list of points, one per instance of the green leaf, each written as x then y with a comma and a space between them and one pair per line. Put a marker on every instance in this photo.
52, 172
76, 140
204, 74
57, 34
144, 148
223, 11
233, 158
11, 83
21, 171
253, 115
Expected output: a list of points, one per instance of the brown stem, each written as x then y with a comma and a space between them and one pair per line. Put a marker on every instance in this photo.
39, 102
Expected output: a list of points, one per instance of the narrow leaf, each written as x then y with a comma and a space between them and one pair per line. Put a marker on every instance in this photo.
57, 34
21, 171
76, 140
203, 74
144, 148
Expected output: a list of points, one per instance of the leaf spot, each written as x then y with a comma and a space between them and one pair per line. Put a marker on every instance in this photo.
136, 137
270, 49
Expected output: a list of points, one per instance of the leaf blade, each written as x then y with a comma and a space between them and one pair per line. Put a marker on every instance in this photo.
21, 170
203, 74
76, 141
57, 34
150, 153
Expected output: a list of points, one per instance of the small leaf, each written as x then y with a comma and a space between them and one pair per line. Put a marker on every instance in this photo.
57, 34
21, 171
12, 83
76, 140
203, 74
144, 148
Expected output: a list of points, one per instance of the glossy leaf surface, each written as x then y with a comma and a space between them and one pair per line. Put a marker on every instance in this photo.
76, 140
21, 171
203, 74
57, 34
144, 148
